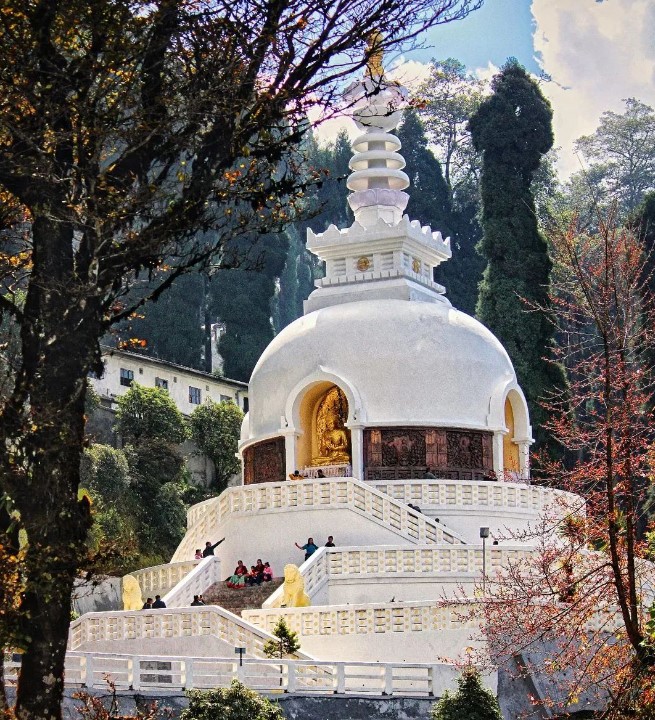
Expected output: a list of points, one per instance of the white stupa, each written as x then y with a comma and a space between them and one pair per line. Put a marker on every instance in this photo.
409, 366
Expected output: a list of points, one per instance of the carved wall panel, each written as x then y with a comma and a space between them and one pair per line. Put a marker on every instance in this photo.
264, 462
406, 452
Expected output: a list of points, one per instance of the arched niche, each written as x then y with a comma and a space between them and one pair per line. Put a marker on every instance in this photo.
518, 435
320, 402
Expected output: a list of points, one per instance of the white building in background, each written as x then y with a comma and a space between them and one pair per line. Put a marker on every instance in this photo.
186, 386
189, 388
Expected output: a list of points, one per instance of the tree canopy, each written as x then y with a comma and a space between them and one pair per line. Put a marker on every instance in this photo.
136, 137
215, 429
145, 413
512, 129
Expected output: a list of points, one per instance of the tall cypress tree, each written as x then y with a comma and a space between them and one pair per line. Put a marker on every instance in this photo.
512, 128
430, 202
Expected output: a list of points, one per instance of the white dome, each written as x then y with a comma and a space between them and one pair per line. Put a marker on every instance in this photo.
399, 362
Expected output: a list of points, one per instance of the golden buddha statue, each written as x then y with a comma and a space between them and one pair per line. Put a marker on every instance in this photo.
332, 437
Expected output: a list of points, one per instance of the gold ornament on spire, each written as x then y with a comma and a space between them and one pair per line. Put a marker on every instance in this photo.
374, 66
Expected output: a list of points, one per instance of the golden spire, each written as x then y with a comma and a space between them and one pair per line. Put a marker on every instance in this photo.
374, 65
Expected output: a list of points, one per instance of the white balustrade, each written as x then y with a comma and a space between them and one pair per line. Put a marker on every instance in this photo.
334, 564
365, 619
160, 579
467, 494
169, 623
270, 675
202, 576
302, 495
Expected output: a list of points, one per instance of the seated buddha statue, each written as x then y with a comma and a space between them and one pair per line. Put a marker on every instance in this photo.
333, 444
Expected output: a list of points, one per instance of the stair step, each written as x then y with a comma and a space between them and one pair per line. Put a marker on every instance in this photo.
246, 598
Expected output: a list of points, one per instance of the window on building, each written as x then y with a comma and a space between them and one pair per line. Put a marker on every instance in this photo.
226, 398
194, 395
245, 404
127, 377
161, 383
140, 371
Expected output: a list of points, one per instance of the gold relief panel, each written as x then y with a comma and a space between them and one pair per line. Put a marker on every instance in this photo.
364, 263
416, 265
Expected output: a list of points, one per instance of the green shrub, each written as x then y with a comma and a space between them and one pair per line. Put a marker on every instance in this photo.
471, 701
234, 703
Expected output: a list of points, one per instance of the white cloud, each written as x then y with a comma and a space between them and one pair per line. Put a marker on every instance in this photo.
597, 53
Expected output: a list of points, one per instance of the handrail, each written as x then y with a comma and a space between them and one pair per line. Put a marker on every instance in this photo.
145, 672
466, 493
204, 574
333, 564
301, 495
170, 622
361, 619
161, 579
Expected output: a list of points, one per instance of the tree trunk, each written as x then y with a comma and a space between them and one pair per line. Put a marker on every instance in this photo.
42, 426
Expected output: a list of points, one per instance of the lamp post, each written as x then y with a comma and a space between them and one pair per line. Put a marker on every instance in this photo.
239, 651
484, 534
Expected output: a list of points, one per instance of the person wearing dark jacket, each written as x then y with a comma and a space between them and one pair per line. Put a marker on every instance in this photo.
159, 603
209, 548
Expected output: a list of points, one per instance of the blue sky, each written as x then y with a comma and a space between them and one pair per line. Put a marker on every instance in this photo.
597, 54
498, 30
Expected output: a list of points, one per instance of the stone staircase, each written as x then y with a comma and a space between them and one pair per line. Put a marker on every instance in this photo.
246, 598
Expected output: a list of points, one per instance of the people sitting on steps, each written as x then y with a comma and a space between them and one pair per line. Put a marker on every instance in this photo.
242, 577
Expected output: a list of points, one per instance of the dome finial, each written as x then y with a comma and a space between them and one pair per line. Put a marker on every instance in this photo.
374, 66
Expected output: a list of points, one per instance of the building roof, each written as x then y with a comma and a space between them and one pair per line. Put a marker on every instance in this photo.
138, 357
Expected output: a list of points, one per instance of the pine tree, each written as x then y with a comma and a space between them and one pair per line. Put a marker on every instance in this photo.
512, 128
471, 701
286, 643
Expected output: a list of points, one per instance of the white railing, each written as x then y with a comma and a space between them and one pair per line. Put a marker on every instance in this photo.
203, 575
466, 494
334, 564
169, 623
328, 471
160, 579
302, 495
289, 676
364, 619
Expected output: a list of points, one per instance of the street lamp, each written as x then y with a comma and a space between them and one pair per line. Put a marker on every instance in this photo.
239, 651
484, 534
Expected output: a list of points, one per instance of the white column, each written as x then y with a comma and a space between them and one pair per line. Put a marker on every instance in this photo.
524, 457
290, 440
357, 450
498, 453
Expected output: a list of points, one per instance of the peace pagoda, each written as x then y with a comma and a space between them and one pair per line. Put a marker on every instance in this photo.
383, 417
382, 378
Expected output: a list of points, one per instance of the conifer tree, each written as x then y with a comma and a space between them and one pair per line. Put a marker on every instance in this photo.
512, 128
471, 701
430, 201
286, 643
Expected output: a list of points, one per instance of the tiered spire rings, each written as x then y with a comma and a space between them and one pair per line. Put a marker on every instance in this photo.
377, 181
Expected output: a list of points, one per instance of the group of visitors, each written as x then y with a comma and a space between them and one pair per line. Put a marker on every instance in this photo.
242, 577
310, 546
197, 600
297, 475
209, 549
151, 604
